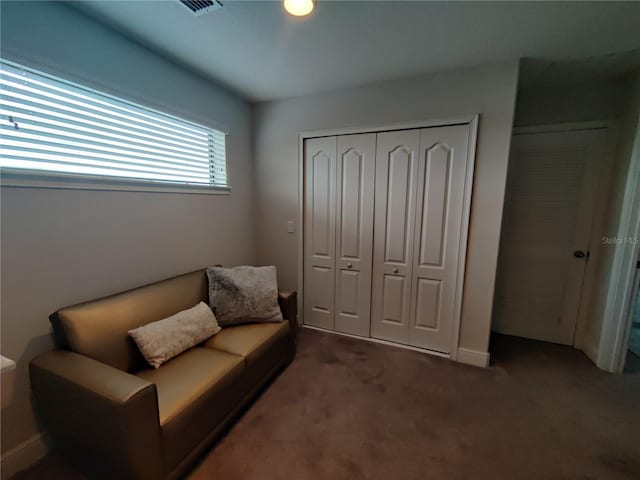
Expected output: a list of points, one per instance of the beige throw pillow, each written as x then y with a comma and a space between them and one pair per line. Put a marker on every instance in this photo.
244, 294
162, 340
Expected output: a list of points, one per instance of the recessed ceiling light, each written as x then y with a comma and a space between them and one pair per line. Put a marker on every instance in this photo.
299, 8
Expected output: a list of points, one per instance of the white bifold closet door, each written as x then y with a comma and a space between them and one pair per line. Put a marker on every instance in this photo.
338, 237
396, 175
420, 186
354, 232
319, 231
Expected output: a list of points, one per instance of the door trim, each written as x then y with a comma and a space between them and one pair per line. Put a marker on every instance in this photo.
438, 122
464, 236
473, 124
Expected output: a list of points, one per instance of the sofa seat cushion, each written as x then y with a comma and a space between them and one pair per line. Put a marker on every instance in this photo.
196, 390
188, 376
250, 340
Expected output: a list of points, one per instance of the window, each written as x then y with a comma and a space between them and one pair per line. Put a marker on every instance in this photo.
50, 126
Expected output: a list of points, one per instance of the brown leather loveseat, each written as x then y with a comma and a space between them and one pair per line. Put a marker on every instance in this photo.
113, 416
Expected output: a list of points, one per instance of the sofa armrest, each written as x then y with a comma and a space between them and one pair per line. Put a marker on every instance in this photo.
288, 302
102, 419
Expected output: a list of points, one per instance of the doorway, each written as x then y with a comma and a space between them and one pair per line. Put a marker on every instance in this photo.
545, 248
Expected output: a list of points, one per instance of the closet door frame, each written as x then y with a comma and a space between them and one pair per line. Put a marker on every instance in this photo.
472, 122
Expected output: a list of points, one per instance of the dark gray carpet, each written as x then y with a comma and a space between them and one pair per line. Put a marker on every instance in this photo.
348, 409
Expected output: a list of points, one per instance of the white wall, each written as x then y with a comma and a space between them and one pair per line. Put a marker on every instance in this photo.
488, 90
66, 246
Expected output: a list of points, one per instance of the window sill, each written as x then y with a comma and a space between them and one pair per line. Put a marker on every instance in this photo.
29, 179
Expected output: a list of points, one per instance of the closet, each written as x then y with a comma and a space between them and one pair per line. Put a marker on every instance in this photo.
385, 222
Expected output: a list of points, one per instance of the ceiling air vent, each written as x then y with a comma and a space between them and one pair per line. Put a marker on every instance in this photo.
200, 7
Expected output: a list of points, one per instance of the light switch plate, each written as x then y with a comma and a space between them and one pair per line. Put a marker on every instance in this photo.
290, 227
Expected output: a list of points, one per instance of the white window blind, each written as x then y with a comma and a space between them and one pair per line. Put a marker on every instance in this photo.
54, 126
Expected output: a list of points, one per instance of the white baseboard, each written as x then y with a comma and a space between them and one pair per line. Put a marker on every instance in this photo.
473, 357
23, 456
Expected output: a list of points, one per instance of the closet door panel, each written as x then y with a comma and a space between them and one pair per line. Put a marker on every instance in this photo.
349, 293
427, 303
396, 168
393, 299
354, 232
434, 197
319, 234
442, 167
399, 179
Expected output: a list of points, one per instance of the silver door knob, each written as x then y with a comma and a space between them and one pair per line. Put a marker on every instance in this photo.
395, 270
349, 265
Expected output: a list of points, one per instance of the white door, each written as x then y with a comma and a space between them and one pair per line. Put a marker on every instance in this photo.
442, 167
551, 190
395, 191
319, 231
354, 232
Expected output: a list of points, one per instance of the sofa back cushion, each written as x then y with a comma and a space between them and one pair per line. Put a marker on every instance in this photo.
100, 328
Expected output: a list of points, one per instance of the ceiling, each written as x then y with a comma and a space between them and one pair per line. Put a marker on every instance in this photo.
260, 52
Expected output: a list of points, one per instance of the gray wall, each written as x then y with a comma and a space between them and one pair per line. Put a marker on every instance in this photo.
628, 129
488, 90
577, 102
65, 246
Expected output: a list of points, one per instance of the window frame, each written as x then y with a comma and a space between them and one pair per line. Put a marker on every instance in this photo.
31, 178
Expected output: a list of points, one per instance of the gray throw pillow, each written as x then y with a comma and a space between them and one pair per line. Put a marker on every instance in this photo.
164, 339
244, 294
